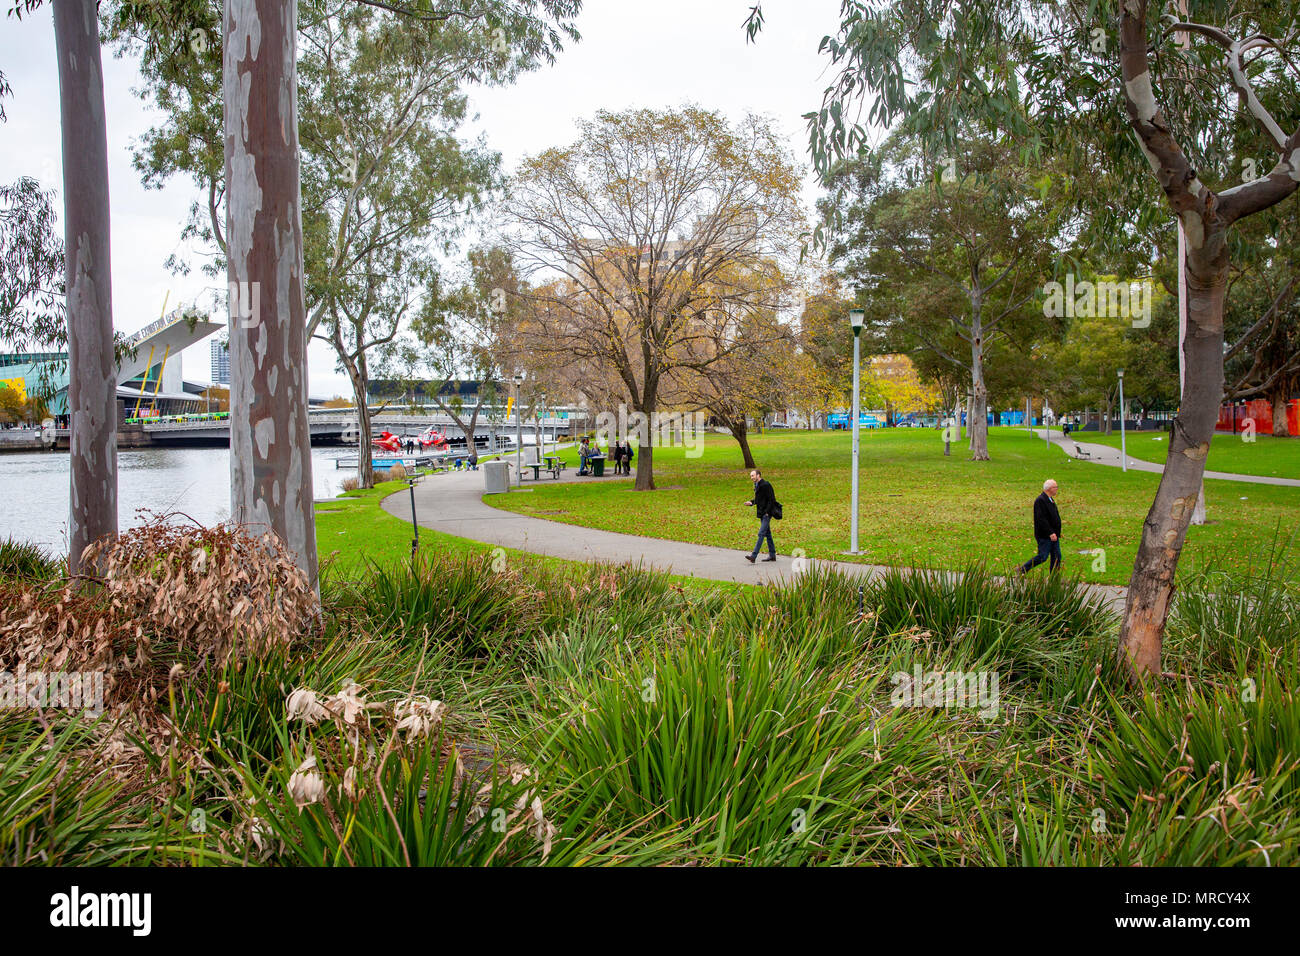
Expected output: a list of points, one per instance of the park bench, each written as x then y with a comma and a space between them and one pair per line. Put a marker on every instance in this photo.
1079, 452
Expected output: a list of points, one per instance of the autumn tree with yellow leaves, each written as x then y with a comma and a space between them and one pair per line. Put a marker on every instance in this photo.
651, 241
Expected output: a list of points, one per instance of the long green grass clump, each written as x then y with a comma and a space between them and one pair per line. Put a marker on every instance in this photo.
471, 710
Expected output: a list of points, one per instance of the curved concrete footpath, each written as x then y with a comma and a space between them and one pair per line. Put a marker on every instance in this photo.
1105, 455
452, 503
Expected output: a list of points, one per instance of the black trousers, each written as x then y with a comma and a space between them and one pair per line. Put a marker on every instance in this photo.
1047, 548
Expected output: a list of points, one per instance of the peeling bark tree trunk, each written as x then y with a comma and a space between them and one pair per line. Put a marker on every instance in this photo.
1206, 217
92, 378
365, 467
1151, 587
977, 416
270, 439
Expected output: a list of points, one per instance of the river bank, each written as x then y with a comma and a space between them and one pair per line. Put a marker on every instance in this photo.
192, 481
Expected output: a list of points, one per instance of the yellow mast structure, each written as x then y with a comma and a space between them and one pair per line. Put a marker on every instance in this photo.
147, 368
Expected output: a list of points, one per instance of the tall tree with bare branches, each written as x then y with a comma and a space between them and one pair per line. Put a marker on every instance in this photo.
664, 228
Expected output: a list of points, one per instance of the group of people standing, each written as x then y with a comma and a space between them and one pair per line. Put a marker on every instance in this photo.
622, 455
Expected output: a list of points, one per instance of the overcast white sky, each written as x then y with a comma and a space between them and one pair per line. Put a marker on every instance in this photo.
631, 55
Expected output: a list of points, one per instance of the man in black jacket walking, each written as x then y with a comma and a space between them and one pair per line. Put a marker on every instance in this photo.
1047, 530
763, 500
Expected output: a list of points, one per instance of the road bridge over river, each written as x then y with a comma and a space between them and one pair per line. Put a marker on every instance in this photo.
339, 427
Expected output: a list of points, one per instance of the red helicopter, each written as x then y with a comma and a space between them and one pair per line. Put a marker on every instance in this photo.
432, 439
387, 441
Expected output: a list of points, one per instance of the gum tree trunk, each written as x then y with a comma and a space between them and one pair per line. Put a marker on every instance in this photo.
358, 376
365, 432
1151, 587
92, 370
1205, 217
977, 417
470, 428
270, 439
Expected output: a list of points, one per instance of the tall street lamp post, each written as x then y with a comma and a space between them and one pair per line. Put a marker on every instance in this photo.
1123, 449
856, 319
519, 433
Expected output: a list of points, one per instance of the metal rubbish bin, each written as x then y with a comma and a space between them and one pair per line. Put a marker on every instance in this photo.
496, 477
597, 465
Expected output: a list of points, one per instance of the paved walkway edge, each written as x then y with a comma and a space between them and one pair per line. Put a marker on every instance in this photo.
452, 503
1106, 455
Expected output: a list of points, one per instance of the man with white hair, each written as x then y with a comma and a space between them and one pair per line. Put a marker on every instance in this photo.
1047, 530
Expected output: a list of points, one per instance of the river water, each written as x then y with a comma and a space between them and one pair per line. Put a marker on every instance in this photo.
34, 489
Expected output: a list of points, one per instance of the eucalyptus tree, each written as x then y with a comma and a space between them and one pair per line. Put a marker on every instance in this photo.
465, 331
92, 367
355, 238
270, 436
1200, 100
950, 264
389, 184
31, 268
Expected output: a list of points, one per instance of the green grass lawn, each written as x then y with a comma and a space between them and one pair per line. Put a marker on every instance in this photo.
918, 507
354, 529
1266, 455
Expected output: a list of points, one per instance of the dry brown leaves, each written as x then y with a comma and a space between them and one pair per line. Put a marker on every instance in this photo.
209, 594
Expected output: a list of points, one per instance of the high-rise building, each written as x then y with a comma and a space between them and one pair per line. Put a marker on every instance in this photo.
220, 362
